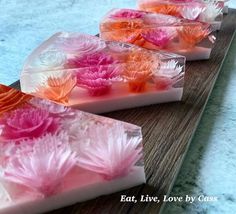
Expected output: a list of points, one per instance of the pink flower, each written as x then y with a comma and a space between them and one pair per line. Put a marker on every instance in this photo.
127, 13
159, 37
109, 151
90, 60
43, 169
27, 123
98, 80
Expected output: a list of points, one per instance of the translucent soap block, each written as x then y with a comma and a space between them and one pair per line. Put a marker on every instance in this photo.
53, 156
192, 39
98, 76
197, 10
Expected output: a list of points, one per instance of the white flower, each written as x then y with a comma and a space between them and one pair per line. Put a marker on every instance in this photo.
211, 11
52, 59
80, 43
43, 169
170, 69
191, 13
110, 151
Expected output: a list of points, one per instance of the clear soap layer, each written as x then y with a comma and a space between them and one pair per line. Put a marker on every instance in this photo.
98, 76
53, 156
153, 31
198, 10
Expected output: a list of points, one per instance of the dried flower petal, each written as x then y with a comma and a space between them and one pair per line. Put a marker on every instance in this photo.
44, 168
109, 151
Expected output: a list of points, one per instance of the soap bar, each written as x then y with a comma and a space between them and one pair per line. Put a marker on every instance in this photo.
97, 76
158, 32
198, 10
53, 156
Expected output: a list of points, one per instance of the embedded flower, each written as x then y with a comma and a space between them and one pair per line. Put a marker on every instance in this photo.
98, 80
43, 169
90, 60
109, 151
192, 35
191, 13
159, 37
81, 44
169, 68
127, 13
169, 9
57, 89
52, 59
139, 68
212, 10
11, 99
167, 75
26, 123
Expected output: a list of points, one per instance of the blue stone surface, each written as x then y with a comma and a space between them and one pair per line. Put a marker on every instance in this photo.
210, 167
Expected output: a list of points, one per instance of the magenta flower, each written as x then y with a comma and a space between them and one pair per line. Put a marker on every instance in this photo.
127, 13
27, 123
109, 151
90, 60
43, 169
98, 80
159, 37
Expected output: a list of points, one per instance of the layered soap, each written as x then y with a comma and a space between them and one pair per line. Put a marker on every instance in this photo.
197, 10
98, 76
53, 156
153, 31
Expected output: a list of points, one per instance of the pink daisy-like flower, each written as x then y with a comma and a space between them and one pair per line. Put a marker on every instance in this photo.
159, 37
27, 123
127, 13
90, 60
109, 151
43, 169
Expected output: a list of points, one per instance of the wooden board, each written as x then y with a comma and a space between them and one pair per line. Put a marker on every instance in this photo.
167, 132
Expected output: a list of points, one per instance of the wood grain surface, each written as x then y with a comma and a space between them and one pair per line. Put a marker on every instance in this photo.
167, 132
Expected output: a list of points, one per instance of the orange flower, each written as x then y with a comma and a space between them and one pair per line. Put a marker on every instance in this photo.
10, 98
191, 35
58, 88
121, 24
139, 69
168, 9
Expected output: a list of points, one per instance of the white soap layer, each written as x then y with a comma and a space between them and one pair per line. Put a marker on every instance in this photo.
136, 177
119, 99
196, 53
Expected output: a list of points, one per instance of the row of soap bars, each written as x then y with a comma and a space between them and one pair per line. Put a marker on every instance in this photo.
138, 60
53, 156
